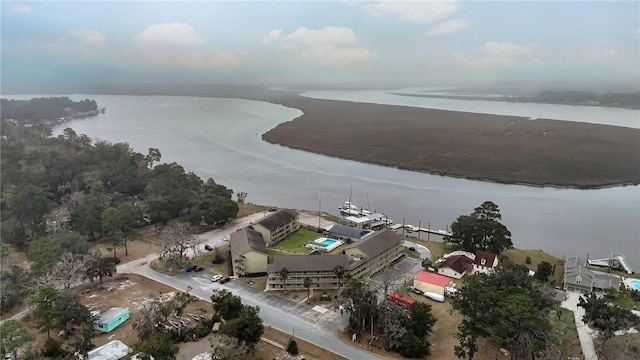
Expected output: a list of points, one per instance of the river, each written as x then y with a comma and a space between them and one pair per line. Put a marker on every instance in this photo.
221, 138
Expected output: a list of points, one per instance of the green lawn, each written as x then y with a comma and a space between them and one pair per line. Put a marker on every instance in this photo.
296, 242
519, 256
563, 331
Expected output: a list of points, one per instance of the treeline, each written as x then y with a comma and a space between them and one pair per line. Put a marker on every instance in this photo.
60, 192
45, 108
584, 98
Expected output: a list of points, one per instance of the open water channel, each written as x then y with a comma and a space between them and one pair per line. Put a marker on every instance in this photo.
221, 138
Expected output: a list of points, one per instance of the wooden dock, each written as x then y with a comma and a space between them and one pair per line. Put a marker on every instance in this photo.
413, 228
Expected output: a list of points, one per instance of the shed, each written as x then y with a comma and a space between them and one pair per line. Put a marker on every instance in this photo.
111, 319
430, 282
113, 350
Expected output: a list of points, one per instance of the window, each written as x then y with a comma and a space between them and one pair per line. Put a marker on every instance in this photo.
578, 279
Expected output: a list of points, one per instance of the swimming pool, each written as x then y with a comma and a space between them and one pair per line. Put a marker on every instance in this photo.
327, 242
633, 284
324, 244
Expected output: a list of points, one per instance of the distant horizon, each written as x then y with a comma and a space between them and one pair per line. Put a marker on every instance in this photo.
60, 46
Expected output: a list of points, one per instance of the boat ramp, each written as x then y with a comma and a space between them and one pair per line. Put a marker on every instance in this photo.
412, 228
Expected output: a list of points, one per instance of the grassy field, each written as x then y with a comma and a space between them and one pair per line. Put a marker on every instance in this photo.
564, 330
296, 242
519, 256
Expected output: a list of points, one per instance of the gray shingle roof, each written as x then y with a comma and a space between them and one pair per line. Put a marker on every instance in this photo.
311, 263
278, 219
377, 243
348, 231
245, 240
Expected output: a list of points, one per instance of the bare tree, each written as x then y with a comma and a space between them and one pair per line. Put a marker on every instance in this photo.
229, 348
178, 241
68, 271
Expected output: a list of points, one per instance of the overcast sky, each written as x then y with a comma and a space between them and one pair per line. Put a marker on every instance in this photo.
292, 42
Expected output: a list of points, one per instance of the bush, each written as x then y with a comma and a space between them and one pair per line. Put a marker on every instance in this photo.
292, 347
53, 349
528, 260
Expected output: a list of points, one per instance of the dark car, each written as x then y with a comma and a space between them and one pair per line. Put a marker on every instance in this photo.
224, 279
208, 247
273, 209
198, 268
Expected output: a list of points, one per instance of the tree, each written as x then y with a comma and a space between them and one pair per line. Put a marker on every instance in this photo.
29, 204
292, 347
427, 263
143, 323
606, 317
13, 287
284, 275
82, 344
160, 345
153, 156
481, 230
247, 327
45, 252
180, 302
70, 309
339, 271
226, 304
13, 336
360, 302
543, 271
43, 300
97, 266
229, 348
307, 284
506, 307
119, 222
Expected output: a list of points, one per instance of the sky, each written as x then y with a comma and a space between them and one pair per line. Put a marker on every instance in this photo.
52, 44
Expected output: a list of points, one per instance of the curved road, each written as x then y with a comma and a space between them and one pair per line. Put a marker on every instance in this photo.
288, 317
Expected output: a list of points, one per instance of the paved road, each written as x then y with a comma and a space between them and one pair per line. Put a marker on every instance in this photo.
321, 329
585, 334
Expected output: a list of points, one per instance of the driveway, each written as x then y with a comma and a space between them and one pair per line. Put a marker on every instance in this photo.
585, 334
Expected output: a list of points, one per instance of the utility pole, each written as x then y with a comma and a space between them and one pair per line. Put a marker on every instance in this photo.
419, 228
428, 232
319, 211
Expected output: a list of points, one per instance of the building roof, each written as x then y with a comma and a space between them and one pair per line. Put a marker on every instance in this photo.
105, 317
348, 231
245, 240
377, 243
113, 350
606, 281
488, 258
277, 219
431, 278
576, 266
458, 263
301, 263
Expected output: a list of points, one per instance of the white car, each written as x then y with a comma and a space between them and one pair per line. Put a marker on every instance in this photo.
216, 277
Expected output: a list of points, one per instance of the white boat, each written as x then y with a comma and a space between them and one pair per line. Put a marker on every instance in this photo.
349, 208
434, 296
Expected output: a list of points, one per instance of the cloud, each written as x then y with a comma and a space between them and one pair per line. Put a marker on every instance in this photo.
447, 27
330, 46
20, 9
601, 56
505, 49
498, 55
419, 11
226, 59
80, 40
168, 34
273, 36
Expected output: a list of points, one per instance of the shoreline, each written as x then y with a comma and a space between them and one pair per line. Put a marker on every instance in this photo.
575, 187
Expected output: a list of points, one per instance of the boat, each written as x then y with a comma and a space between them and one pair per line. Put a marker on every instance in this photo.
349, 208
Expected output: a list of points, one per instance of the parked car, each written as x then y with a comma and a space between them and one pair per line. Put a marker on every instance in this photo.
216, 277
189, 269
208, 247
415, 290
273, 209
198, 268
224, 279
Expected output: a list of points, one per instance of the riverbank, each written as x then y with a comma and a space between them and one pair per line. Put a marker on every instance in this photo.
503, 149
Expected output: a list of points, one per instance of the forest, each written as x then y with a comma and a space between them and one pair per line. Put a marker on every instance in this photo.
59, 193
45, 108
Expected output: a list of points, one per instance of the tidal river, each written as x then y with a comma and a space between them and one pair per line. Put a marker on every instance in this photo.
221, 138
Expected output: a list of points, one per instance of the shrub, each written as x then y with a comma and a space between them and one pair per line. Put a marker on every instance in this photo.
292, 347
528, 260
